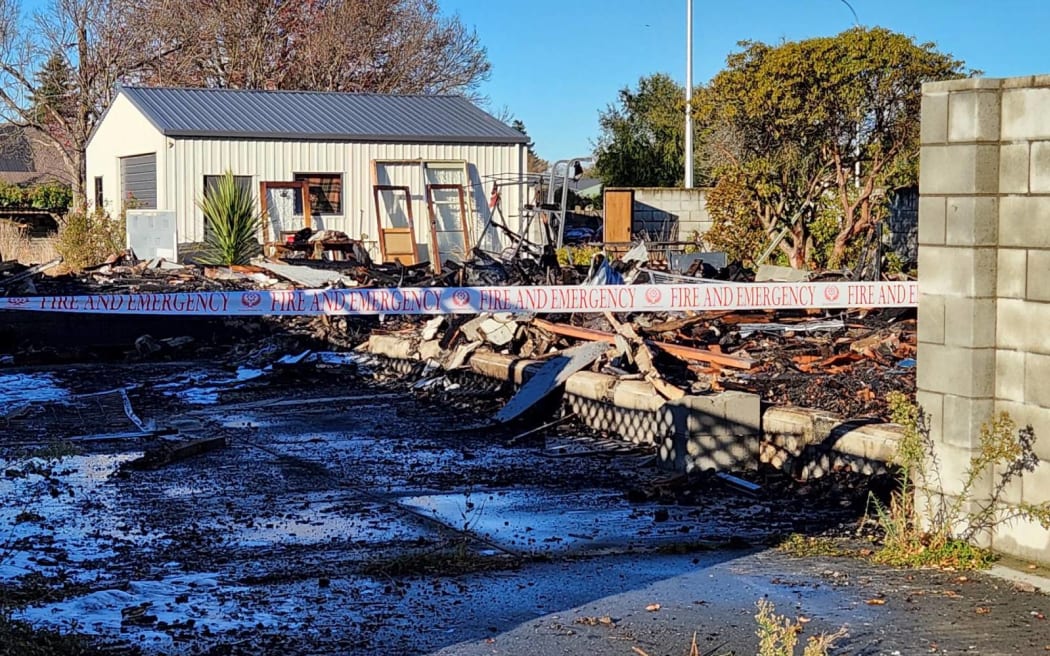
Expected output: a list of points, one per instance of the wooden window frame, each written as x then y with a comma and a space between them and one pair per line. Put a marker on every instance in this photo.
304, 192
308, 178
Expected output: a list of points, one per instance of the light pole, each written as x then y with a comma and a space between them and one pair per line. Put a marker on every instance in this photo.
688, 94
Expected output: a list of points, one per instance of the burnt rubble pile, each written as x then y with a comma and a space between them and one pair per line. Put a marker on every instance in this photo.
843, 362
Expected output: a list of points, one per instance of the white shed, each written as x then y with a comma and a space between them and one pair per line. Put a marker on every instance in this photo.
160, 148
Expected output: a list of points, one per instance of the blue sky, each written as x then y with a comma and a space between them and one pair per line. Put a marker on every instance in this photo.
557, 63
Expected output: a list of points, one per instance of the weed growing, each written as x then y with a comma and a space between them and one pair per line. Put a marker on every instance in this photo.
804, 546
924, 528
779, 636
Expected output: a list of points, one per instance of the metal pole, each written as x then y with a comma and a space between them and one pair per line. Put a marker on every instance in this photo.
688, 94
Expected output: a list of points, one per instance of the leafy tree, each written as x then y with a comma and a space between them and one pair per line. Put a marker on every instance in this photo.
827, 120
642, 139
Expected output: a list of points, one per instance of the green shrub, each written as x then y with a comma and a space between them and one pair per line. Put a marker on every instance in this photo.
577, 255
85, 240
53, 196
49, 196
11, 195
231, 224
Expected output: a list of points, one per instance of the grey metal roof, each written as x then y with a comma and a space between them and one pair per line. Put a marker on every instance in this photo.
317, 115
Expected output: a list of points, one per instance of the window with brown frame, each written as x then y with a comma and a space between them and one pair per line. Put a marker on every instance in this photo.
242, 181
326, 192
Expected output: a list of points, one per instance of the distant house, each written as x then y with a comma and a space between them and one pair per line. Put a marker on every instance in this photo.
27, 156
162, 148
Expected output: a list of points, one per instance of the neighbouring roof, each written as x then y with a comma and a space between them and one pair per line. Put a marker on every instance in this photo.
28, 156
317, 115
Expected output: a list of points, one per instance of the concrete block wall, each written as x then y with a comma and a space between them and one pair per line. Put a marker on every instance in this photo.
684, 208
984, 278
727, 431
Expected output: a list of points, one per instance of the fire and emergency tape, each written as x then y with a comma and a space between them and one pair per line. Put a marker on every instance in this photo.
473, 300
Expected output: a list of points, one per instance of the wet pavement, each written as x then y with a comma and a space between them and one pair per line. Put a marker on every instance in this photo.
347, 516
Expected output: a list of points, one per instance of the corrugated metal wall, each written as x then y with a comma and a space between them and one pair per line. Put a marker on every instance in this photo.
138, 181
277, 161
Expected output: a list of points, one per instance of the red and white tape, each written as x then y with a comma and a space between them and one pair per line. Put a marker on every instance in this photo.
472, 300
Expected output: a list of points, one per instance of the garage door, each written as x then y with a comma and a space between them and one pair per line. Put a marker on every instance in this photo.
138, 181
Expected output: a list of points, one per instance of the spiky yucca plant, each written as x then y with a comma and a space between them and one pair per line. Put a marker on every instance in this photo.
231, 222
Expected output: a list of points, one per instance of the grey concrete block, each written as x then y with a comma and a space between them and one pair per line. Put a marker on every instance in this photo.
954, 470
1037, 379
973, 116
872, 442
932, 220
716, 452
1009, 375
957, 271
962, 84
959, 169
1013, 168
1024, 221
963, 418
931, 318
1023, 539
1012, 273
956, 370
972, 221
636, 395
791, 428
1021, 325
932, 404
743, 412
590, 385
1018, 82
1035, 486
1024, 115
1038, 285
934, 122
1040, 167
969, 322
720, 431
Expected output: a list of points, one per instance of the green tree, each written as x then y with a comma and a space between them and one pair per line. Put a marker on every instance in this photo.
642, 139
53, 95
536, 164
825, 121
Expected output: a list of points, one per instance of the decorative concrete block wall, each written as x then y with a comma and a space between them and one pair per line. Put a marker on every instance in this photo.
661, 211
984, 279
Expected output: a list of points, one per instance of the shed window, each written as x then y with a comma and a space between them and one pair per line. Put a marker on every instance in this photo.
326, 192
242, 182
100, 198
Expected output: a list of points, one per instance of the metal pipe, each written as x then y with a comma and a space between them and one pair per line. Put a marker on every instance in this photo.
688, 94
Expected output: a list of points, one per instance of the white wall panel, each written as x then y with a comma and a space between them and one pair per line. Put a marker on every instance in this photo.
191, 159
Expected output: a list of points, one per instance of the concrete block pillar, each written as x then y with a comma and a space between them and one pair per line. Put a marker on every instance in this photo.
984, 281
958, 267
